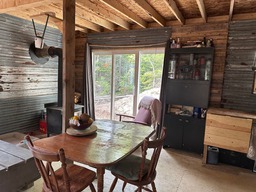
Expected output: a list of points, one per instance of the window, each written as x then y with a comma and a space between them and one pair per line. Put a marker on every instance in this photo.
122, 78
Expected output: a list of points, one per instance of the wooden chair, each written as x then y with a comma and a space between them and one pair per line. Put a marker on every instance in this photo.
139, 170
68, 178
149, 112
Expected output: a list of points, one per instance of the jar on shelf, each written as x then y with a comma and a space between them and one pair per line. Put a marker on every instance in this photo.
197, 74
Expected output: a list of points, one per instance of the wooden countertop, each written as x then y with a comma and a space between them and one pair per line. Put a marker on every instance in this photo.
231, 112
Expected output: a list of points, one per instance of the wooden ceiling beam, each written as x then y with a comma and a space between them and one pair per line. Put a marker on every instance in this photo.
94, 8
13, 5
151, 12
56, 8
201, 7
174, 9
231, 9
117, 6
52, 19
80, 12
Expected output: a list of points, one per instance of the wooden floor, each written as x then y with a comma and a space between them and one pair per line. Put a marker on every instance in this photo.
179, 171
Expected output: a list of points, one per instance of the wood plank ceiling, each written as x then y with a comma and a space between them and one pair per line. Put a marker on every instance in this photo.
112, 15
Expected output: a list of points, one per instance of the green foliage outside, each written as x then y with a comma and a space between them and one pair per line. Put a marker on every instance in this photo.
150, 73
151, 67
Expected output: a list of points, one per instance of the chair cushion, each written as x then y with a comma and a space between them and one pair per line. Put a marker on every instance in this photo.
129, 167
143, 116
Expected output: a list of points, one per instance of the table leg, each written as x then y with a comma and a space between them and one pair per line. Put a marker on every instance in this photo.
100, 178
205, 154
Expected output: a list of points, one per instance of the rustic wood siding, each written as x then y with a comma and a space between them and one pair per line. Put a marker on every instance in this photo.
219, 33
238, 79
81, 39
24, 85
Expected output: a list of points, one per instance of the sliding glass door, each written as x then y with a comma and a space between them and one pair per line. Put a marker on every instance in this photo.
122, 78
102, 67
123, 85
150, 72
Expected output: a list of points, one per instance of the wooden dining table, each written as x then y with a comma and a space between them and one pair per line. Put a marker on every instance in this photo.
113, 141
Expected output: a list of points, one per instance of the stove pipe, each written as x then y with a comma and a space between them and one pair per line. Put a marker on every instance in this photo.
52, 52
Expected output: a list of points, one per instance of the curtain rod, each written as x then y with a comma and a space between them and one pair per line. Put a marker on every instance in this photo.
125, 46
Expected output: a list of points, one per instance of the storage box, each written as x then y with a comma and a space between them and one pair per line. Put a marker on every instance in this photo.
16, 138
213, 155
235, 158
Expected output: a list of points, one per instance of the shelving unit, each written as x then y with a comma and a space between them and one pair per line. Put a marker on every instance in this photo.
185, 96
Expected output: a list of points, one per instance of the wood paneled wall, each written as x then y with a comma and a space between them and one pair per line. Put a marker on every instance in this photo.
25, 86
219, 33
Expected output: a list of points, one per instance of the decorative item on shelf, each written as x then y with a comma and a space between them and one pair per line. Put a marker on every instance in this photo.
197, 74
203, 113
173, 44
211, 43
80, 122
203, 42
178, 45
202, 60
208, 44
197, 112
77, 97
254, 63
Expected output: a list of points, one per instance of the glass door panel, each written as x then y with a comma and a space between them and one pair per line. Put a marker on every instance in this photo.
123, 85
102, 64
150, 74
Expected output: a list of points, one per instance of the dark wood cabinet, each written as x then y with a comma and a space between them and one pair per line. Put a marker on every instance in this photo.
193, 134
184, 132
185, 95
174, 131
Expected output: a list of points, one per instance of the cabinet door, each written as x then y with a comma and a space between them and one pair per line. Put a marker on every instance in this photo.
174, 126
187, 92
193, 135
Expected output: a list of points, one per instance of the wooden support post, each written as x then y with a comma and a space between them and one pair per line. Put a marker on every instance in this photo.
68, 61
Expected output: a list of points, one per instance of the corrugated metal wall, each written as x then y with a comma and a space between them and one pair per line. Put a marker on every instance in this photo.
238, 78
24, 85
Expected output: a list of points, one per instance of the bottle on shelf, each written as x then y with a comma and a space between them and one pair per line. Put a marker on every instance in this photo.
173, 44
207, 69
172, 69
178, 45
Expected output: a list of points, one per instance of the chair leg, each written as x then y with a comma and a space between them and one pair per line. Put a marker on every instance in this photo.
124, 185
113, 185
153, 186
92, 187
